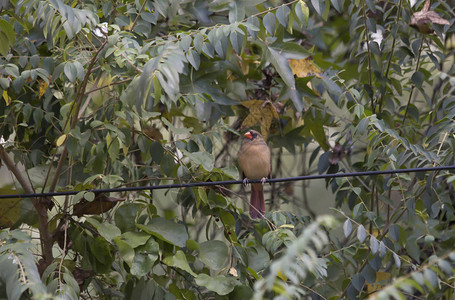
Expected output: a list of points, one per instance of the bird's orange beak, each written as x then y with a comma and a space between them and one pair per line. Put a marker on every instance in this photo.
248, 135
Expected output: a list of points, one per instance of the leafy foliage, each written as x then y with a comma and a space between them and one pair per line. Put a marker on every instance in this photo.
101, 94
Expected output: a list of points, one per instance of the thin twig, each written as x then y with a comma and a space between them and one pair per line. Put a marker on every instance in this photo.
370, 81
390, 57
413, 85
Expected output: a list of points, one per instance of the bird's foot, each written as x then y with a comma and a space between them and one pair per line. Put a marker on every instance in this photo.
263, 180
245, 181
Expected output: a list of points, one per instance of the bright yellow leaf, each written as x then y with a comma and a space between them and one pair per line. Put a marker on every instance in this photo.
287, 226
61, 140
7, 98
42, 88
304, 67
282, 276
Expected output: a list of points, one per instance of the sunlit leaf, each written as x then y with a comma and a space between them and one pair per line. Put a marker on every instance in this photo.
61, 140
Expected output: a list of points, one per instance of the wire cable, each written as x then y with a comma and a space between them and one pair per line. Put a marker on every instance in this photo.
229, 182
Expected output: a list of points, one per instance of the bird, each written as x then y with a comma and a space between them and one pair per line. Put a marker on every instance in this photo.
254, 162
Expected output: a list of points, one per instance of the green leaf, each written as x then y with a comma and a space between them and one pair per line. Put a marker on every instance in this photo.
445, 266
193, 58
221, 285
214, 254
100, 249
208, 50
418, 78
7, 36
242, 292
361, 233
166, 230
4, 44
359, 110
89, 196
319, 6
135, 239
431, 278
358, 281
106, 230
397, 260
192, 245
179, 261
204, 159
269, 23
302, 12
258, 258
70, 71
369, 274
185, 42
142, 264
125, 216
227, 218
382, 249
236, 41
236, 11
347, 227
282, 14
198, 41
8, 29
316, 126
252, 26
80, 72
374, 244
221, 46
281, 65
338, 4
126, 251
176, 130
394, 232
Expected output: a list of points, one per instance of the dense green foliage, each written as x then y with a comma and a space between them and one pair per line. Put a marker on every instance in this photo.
101, 94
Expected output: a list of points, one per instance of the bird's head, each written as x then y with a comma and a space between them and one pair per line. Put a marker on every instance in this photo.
252, 135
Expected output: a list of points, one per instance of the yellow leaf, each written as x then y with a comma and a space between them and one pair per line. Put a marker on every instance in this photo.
282, 276
304, 67
262, 112
7, 98
287, 226
380, 276
42, 88
125, 149
61, 140
10, 209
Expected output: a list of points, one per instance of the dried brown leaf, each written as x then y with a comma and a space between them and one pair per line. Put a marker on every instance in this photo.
262, 113
421, 20
304, 67
99, 205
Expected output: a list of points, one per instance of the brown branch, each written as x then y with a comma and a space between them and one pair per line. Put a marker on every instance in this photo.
137, 17
79, 97
108, 85
25, 184
40, 207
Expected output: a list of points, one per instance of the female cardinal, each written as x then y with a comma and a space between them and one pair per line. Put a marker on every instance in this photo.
254, 162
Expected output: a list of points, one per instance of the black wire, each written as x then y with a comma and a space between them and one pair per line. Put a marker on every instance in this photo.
228, 182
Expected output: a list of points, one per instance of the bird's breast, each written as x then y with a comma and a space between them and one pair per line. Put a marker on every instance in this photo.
254, 161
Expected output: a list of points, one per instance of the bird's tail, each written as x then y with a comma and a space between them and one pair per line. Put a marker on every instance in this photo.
257, 203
